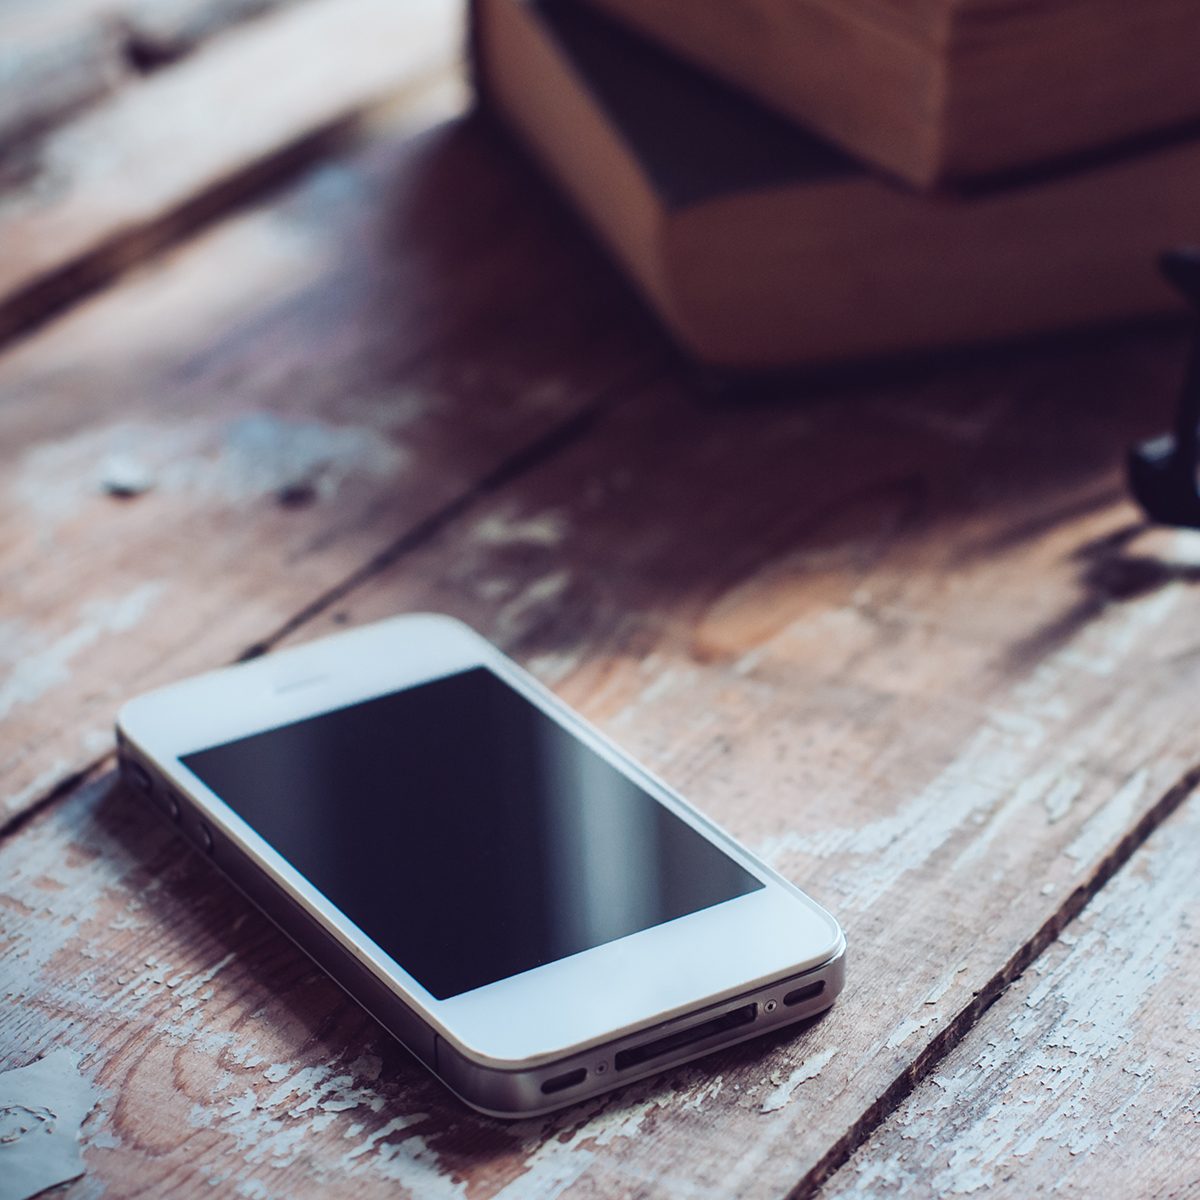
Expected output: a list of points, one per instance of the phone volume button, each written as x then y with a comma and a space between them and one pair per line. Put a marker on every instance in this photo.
204, 837
163, 798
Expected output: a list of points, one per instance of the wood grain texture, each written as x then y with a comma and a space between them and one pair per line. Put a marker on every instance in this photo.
897, 651
903, 637
1084, 1079
926, 666
162, 156
54, 59
302, 389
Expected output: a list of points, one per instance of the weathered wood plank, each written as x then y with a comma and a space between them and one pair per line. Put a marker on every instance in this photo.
56, 56
54, 59
1083, 1080
167, 153
301, 390
159, 32
903, 654
325, 1091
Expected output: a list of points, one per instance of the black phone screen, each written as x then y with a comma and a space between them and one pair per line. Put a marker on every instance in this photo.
466, 832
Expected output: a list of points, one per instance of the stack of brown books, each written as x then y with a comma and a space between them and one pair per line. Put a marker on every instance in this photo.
763, 244
948, 89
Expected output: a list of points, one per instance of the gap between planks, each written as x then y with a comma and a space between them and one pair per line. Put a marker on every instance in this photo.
524, 460
1024, 957
941, 1045
162, 159
508, 470
26, 311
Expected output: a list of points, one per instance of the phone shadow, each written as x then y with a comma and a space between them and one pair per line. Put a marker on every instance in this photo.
275, 1055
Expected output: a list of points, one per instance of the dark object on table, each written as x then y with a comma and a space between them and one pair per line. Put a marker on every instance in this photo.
1162, 471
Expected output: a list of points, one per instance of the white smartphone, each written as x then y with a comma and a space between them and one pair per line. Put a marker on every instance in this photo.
532, 914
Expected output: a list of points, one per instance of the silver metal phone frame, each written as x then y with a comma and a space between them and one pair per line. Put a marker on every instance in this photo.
490, 1090
507, 1089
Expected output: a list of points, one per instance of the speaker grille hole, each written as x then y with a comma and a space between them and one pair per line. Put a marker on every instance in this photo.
560, 1083
808, 992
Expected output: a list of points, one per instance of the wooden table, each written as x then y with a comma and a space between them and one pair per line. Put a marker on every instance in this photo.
290, 344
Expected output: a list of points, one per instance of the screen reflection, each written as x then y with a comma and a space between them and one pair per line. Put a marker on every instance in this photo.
467, 833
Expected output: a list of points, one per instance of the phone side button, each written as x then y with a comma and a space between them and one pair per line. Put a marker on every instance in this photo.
137, 775
204, 837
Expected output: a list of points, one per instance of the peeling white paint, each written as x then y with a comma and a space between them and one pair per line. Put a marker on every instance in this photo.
35, 666
552, 1165
1064, 792
270, 1113
1122, 630
908, 1026
554, 666
41, 783
547, 529
943, 985
264, 452
97, 740
810, 1068
254, 455
988, 785
1057, 1081
666, 679
42, 1106
1105, 826
537, 594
